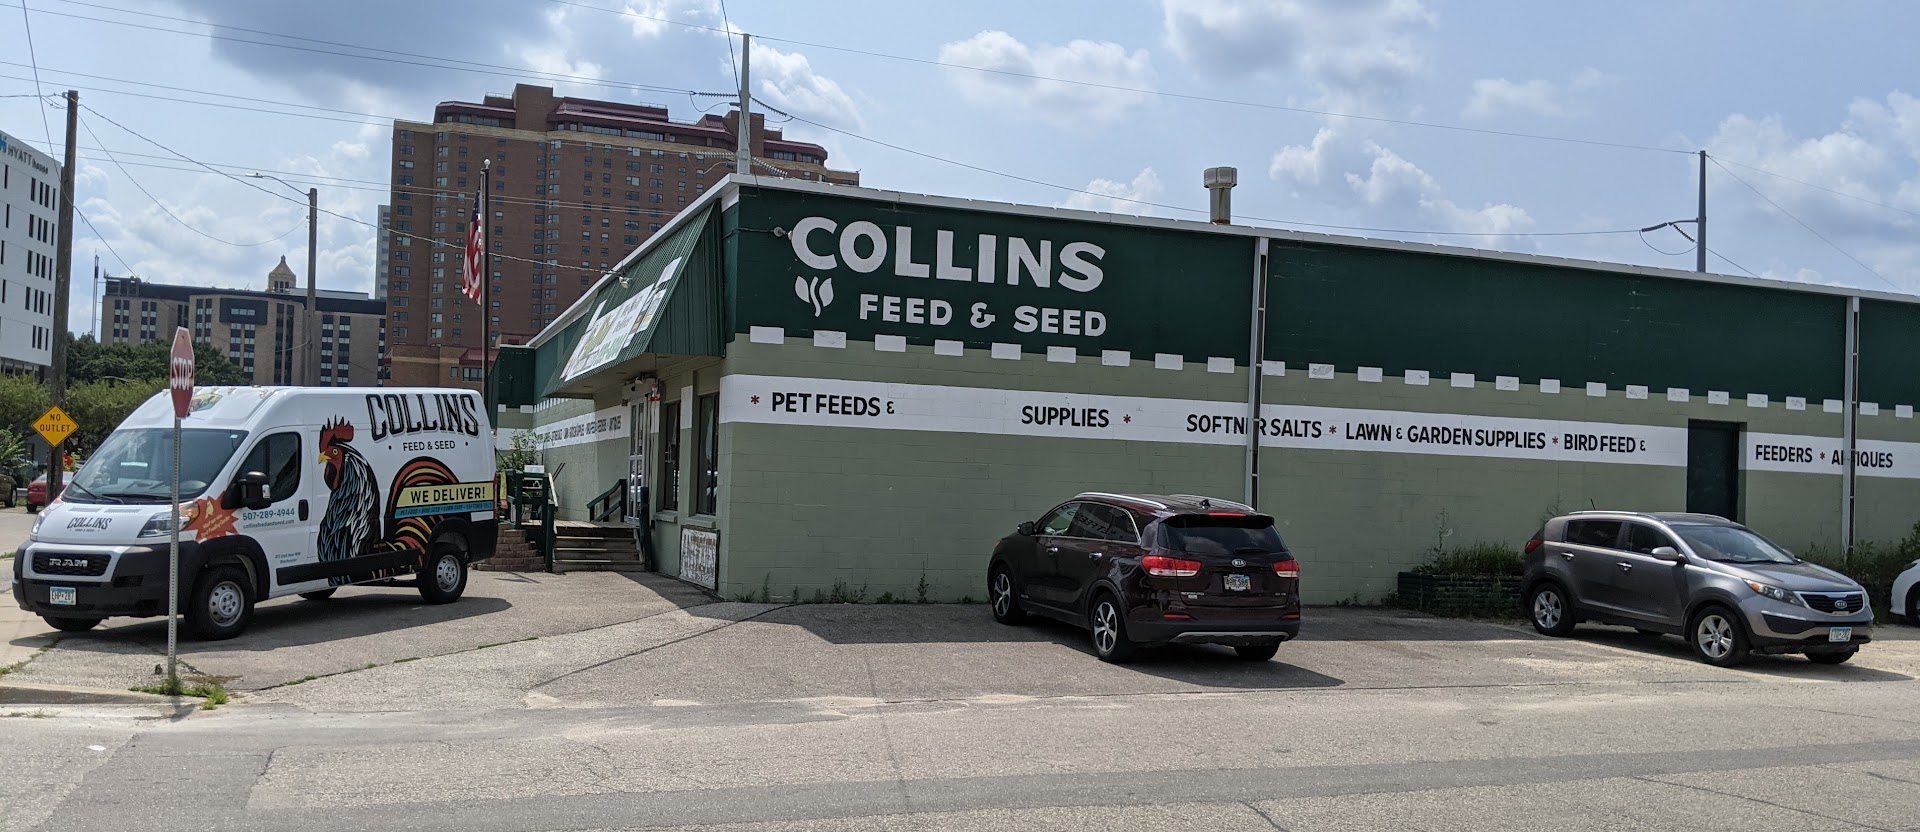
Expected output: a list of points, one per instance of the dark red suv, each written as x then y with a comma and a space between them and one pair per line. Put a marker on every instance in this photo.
1141, 570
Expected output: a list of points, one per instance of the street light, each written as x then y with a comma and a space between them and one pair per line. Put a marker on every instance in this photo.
310, 358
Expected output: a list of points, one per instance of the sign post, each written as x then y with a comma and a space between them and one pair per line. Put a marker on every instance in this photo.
180, 382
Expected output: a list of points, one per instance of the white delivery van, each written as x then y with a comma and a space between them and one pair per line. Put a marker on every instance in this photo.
283, 491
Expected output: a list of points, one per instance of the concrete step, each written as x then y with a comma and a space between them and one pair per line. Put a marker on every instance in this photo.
596, 566
596, 551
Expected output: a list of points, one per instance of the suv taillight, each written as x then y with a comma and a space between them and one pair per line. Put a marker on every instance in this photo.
1287, 569
1170, 567
1532, 545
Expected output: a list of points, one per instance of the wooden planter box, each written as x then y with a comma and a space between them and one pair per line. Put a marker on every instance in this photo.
1461, 595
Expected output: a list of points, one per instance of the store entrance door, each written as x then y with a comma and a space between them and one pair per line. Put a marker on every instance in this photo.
1713, 468
639, 510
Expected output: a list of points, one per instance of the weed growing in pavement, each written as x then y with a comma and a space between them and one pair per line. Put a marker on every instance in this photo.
300, 681
844, 593
10, 668
885, 598
920, 596
1479, 560
766, 588
213, 694
795, 598
968, 599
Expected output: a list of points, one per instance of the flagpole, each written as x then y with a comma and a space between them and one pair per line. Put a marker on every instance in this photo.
486, 291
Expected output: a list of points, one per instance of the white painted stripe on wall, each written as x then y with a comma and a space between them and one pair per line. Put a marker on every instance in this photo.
1006, 352
1319, 371
1679, 394
1273, 368
1903, 411
1062, 355
1219, 365
914, 407
1168, 361
890, 343
1549, 385
1419, 378
1506, 382
598, 426
1869, 409
1756, 400
1796, 402
1636, 391
1718, 397
1832, 405
1827, 455
767, 334
1462, 380
1369, 374
1597, 389
1116, 358
830, 339
944, 347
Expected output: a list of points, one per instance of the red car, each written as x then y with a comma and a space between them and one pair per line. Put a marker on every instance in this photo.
37, 494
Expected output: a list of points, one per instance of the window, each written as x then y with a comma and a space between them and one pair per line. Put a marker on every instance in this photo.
707, 414
1644, 539
1601, 533
277, 456
1103, 522
1060, 520
670, 456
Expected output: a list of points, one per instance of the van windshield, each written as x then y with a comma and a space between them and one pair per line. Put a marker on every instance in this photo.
1731, 544
136, 466
1222, 534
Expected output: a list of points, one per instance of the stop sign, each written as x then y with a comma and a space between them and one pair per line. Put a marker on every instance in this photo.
180, 372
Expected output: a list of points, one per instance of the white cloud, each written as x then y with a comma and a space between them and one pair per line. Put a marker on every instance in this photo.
1119, 197
1063, 104
1401, 187
1302, 164
1361, 52
1870, 158
1494, 97
788, 81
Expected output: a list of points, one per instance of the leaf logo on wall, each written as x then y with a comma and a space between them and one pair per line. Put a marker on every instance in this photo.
818, 292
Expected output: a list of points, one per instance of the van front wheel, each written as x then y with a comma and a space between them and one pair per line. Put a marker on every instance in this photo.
221, 604
444, 579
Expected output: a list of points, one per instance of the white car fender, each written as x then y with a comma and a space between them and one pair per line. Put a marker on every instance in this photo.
1903, 589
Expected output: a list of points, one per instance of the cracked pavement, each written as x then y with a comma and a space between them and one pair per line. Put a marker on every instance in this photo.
606, 702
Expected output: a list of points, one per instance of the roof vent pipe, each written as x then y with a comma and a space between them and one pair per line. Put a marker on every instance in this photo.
1220, 182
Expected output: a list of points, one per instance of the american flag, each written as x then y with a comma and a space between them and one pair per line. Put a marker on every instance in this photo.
474, 270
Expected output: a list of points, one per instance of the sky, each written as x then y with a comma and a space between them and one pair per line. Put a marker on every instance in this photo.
1547, 128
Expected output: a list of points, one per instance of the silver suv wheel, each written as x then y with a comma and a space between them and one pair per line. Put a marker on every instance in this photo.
1548, 609
1714, 634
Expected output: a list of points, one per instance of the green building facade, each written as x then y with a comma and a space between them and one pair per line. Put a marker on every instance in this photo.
824, 386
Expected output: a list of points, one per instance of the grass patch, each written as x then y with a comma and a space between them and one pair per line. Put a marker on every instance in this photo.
1479, 560
213, 694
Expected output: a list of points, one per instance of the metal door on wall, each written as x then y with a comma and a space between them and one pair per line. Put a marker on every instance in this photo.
1713, 468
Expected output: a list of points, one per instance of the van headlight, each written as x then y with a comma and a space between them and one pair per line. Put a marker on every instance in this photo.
38, 520
1773, 592
162, 522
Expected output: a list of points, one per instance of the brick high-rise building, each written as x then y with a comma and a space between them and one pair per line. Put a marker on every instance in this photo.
577, 185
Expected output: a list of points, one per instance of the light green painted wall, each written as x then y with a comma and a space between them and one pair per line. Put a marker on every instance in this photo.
806, 507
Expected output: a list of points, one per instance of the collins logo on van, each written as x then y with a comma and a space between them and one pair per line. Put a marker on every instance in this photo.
393, 414
89, 523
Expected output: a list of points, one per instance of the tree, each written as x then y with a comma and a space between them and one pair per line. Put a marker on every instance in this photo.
100, 406
22, 400
89, 360
15, 456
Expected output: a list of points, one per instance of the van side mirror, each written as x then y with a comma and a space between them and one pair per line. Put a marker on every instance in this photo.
250, 491
1025, 529
1668, 554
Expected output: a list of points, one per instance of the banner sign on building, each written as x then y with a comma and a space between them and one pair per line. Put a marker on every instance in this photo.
927, 273
598, 426
891, 406
1828, 455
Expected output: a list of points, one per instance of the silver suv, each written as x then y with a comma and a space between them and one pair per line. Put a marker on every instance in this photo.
1728, 591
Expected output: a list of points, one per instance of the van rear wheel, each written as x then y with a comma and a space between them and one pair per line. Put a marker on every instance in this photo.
444, 578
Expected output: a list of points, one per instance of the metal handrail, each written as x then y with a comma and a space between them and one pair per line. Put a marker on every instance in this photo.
611, 504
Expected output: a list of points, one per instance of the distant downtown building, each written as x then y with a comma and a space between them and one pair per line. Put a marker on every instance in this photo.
29, 225
260, 331
382, 241
577, 185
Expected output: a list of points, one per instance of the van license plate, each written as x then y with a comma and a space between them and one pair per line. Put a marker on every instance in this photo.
65, 596
1840, 634
1239, 583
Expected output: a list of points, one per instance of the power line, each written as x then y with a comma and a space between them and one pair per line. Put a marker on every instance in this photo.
1731, 263
169, 212
102, 90
1139, 90
206, 92
423, 60
1838, 193
732, 60
103, 239
1071, 189
1823, 238
34, 57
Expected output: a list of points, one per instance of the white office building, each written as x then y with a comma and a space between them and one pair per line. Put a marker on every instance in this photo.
29, 225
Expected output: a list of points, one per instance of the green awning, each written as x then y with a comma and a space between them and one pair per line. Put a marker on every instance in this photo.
665, 302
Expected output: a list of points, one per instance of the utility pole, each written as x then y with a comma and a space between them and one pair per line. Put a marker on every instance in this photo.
313, 303
743, 144
62, 280
1700, 251
94, 327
